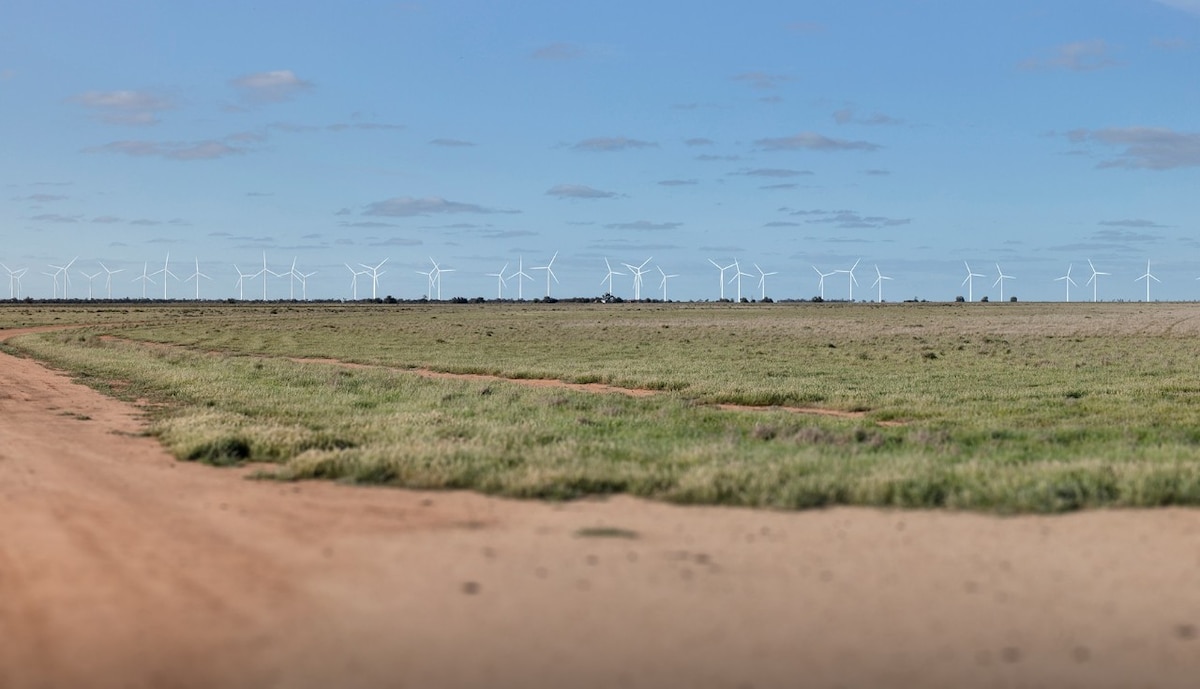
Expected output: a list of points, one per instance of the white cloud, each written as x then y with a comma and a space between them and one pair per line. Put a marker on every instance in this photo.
406, 206
812, 141
125, 107
170, 150
614, 143
270, 87
579, 191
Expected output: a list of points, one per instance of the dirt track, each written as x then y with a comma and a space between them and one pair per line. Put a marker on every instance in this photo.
121, 567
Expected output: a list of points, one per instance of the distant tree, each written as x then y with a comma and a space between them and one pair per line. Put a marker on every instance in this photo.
960, 298
1012, 299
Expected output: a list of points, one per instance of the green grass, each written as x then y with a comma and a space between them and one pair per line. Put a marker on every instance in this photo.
1011, 408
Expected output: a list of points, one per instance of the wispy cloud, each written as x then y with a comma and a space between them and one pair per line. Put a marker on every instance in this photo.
406, 207
811, 141
605, 144
849, 220
1080, 56
270, 87
579, 191
45, 198
170, 150
56, 218
762, 80
1145, 148
774, 172
124, 107
698, 141
848, 116
644, 225
1132, 223
677, 182
364, 126
452, 143
1192, 6
558, 52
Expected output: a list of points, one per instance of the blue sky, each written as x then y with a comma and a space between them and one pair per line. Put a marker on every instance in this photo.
912, 135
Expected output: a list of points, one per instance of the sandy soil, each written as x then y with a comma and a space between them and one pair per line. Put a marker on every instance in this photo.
121, 567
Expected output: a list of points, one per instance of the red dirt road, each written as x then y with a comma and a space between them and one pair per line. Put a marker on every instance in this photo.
121, 567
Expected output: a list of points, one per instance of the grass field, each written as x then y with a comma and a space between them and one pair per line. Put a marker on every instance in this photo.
1004, 407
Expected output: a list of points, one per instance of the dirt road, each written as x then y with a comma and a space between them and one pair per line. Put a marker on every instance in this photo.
121, 567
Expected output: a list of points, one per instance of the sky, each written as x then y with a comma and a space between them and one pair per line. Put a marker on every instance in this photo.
911, 136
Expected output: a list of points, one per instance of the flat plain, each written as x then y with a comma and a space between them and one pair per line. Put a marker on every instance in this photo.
122, 566
994, 407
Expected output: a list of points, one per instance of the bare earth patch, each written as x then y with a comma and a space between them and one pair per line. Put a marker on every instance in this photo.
121, 567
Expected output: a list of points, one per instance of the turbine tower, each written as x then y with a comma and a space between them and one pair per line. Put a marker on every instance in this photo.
738, 275
354, 279
1000, 280
610, 275
374, 271
1094, 281
241, 282
303, 278
501, 281
663, 284
521, 275
853, 281
821, 282
90, 279
762, 281
166, 272
108, 278
1067, 281
264, 273
14, 281
549, 272
1148, 277
970, 281
722, 278
637, 271
879, 278
145, 278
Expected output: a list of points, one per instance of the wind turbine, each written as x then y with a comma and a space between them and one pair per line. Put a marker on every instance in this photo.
145, 278
264, 273
663, 284
65, 271
879, 278
549, 272
196, 276
501, 281
821, 282
108, 279
14, 281
853, 280
436, 276
610, 275
1000, 280
970, 281
354, 279
637, 271
291, 276
241, 282
429, 278
166, 272
521, 275
303, 277
1067, 280
738, 276
90, 279
762, 281
722, 278
374, 273
1148, 277
1094, 281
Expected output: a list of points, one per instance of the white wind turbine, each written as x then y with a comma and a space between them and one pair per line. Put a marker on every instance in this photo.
610, 275
1148, 277
1000, 280
738, 275
722, 278
970, 281
241, 282
879, 278
1066, 279
374, 271
166, 273
65, 271
429, 278
821, 281
637, 271
663, 284
354, 279
264, 272
762, 281
521, 275
14, 281
108, 278
303, 278
1094, 281
853, 280
549, 272
291, 275
196, 276
90, 279
501, 281
145, 278
437, 275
